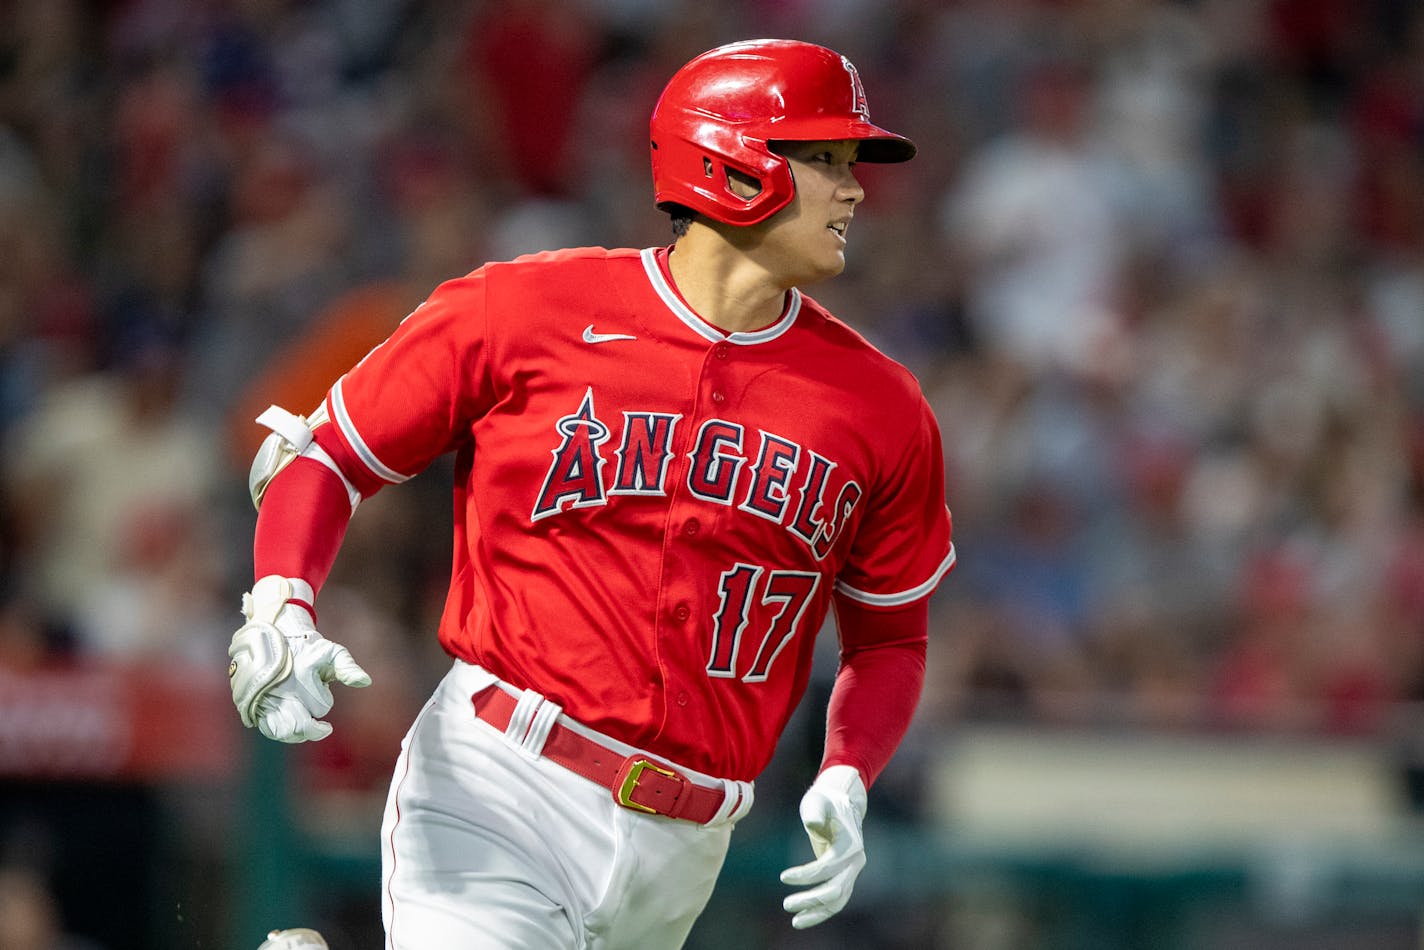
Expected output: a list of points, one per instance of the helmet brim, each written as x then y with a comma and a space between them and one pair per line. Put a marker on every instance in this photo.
877, 146
887, 150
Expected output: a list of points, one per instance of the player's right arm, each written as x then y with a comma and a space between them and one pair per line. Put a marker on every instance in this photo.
399, 408
281, 665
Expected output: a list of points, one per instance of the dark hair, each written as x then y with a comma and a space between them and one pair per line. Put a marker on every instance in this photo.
681, 216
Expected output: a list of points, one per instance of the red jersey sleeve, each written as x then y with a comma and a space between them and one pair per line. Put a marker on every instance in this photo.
412, 398
903, 547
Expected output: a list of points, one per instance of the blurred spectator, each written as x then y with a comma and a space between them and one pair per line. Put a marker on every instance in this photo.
112, 484
29, 915
1033, 220
528, 62
280, 262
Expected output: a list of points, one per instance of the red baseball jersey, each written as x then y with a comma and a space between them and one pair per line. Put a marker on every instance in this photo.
651, 514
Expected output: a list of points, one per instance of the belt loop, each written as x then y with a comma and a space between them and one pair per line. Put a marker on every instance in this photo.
530, 723
522, 717
544, 718
737, 800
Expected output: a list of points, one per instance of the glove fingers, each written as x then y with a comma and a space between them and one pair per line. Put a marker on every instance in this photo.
332, 661
816, 905
276, 724
285, 719
831, 865
803, 874
825, 895
347, 671
810, 918
314, 730
820, 835
283, 729
818, 824
818, 812
314, 694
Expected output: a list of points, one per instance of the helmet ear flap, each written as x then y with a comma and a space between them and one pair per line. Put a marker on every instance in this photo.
701, 176
771, 179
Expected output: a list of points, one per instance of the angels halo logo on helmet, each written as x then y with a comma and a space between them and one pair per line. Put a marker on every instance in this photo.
721, 110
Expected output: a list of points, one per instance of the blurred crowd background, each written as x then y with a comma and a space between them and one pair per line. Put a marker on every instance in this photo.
1159, 266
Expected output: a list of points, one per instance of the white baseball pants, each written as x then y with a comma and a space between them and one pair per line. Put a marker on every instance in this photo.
487, 846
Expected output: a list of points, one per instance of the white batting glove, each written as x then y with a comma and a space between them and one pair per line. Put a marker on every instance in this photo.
832, 810
281, 666
301, 938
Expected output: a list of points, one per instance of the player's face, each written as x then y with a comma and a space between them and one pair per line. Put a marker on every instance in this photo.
805, 241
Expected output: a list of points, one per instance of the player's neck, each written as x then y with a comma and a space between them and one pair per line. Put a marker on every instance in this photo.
725, 286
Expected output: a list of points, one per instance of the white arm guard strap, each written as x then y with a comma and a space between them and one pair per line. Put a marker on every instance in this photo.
291, 439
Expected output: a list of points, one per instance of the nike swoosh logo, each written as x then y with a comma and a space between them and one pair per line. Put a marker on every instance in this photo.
590, 337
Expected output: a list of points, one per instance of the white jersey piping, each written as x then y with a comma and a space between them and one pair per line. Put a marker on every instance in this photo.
902, 597
358, 444
701, 327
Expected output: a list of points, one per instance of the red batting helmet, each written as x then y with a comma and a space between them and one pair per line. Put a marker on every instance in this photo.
720, 110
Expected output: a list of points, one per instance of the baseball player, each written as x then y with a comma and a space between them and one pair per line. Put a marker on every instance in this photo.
671, 464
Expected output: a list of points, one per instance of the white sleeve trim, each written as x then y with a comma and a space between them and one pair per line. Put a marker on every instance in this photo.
903, 597
319, 455
358, 444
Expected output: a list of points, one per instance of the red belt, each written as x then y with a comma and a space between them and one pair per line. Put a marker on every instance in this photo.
636, 781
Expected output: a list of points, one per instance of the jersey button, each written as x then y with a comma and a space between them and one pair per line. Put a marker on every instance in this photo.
682, 612
717, 396
692, 527
682, 699
721, 351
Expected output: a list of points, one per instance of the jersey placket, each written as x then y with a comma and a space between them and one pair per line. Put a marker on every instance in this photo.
712, 460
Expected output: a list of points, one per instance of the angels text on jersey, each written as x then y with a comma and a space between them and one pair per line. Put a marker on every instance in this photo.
762, 473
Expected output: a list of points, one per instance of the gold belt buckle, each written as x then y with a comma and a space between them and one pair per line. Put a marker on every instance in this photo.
635, 772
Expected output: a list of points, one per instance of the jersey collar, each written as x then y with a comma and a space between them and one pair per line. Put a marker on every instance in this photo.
653, 258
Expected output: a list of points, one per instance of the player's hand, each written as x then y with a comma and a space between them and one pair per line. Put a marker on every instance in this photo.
281, 666
301, 938
832, 811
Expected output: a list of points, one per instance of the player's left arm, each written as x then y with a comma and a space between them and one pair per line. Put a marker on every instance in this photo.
899, 555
